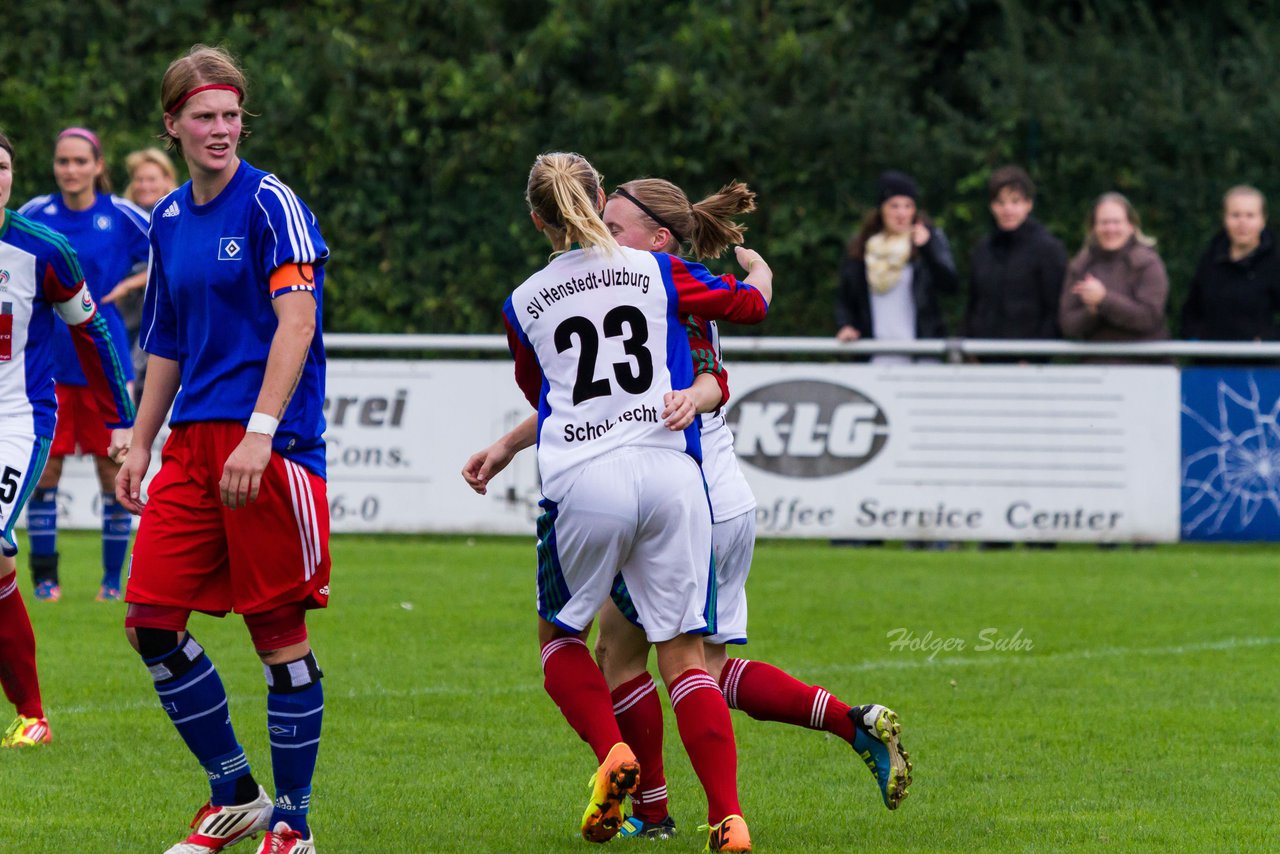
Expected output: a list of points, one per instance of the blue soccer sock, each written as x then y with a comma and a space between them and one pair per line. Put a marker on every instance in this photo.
191, 692
117, 522
295, 708
42, 521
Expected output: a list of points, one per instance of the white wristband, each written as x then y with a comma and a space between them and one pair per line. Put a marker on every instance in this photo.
260, 422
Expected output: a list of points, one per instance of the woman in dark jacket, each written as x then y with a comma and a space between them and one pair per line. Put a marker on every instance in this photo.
896, 266
1016, 273
1235, 293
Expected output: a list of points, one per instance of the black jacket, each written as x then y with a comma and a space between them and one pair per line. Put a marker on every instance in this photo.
933, 271
1015, 283
1234, 300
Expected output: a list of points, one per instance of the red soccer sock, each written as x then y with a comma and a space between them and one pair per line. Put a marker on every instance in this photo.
707, 733
574, 681
639, 713
768, 694
18, 651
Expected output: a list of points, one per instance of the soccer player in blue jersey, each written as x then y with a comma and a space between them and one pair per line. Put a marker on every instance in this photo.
236, 519
40, 277
109, 235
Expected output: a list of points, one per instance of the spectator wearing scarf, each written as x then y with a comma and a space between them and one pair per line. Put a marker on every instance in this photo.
895, 268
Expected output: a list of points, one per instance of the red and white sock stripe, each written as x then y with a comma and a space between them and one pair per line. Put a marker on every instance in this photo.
650, 796
8, 584
557, 645
642, 691
690, 684
819, 712
730, 677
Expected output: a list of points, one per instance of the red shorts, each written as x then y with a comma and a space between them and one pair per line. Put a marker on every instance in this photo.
194, 552
79, 424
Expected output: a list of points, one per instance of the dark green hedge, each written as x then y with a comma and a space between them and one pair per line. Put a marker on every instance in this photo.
410, 127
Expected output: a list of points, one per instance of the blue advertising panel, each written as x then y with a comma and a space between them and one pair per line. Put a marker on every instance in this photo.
1230, 454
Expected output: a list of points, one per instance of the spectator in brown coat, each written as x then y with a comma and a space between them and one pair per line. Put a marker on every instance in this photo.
1116, 286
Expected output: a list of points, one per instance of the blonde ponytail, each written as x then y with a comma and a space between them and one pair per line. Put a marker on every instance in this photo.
563, 189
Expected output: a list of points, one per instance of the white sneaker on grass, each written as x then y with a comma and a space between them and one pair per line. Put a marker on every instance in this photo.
216, 828
283, 839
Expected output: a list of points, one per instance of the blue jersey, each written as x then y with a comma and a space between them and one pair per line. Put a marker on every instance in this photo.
208, 304
40, 277
110, 239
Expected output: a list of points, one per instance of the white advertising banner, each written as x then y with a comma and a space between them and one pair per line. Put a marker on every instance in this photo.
866, 451
398, 435
960, 452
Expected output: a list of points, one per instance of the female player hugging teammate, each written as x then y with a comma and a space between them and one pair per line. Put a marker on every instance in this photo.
629, 501
655, 215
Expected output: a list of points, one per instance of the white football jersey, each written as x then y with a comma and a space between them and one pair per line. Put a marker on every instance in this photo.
726, 484
598, 342
40, 277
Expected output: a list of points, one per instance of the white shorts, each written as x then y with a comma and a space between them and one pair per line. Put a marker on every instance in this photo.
734, 541
638, 515
22, 459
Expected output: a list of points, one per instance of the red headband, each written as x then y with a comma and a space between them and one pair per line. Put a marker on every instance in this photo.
186, 96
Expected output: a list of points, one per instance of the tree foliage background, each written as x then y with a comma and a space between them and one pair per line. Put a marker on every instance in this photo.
409, 127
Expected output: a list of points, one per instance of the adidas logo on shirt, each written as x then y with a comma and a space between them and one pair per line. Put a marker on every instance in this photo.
172, 210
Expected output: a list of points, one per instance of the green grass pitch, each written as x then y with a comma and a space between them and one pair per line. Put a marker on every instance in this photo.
1143, 717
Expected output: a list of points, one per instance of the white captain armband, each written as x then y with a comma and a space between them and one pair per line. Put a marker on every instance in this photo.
79, 309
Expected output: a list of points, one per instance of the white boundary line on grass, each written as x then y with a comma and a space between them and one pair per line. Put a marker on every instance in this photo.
919, 662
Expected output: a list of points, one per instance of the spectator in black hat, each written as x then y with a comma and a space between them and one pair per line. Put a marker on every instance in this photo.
895, 267
1016, 273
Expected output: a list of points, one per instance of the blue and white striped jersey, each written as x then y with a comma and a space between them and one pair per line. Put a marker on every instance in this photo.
110, 239
40, 276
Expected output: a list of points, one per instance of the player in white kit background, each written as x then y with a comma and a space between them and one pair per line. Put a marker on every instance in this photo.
40, 277
601, 353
